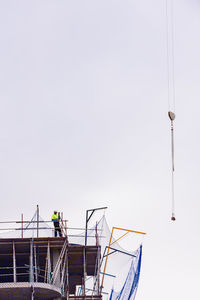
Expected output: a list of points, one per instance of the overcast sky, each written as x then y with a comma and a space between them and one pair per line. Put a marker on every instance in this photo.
83, 124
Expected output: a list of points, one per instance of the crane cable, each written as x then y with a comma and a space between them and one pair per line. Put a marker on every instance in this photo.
171, 86
172, 117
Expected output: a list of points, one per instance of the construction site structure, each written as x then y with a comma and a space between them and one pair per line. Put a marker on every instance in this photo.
36, 265
47, 268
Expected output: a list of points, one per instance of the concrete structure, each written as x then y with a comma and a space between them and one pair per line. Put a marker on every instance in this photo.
46, 269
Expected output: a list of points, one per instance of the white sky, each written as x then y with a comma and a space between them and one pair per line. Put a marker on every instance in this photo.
83, 124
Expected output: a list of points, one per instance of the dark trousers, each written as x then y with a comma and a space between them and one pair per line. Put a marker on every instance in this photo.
57, 229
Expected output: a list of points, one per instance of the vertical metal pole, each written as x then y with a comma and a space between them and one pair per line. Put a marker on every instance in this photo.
96, 287
22, 226
65, 228
84, 270
96, 235
62, 225
31, 262
14, 264
32, 292
46, 268
84, 255
67, 276
98, 270
106, 259
98, 262
86, 227
35, 261
37, 221
48, 264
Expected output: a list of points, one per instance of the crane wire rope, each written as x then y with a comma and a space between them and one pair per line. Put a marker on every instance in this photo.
171, 86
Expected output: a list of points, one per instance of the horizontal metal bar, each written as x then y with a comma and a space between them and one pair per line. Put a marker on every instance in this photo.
25, 222
2, 268
35, 268
24, 229
123, 252
18, 274
84, 229
97, 208
45, 228
108, 274
37, 241
128, 230
21, 254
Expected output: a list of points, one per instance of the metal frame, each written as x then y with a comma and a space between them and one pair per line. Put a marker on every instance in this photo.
89, 214
108, 248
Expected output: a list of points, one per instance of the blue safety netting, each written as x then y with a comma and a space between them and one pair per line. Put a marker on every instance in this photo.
129, 289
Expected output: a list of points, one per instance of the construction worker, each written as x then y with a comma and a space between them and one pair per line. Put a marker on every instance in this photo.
56, 222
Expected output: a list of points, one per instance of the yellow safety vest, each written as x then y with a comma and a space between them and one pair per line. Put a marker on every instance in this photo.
55, 217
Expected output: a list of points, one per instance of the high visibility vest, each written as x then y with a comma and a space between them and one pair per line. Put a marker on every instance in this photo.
55, 217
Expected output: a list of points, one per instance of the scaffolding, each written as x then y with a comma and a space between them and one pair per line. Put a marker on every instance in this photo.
36, 265
45, 267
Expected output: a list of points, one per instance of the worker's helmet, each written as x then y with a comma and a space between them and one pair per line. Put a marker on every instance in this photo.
55, 211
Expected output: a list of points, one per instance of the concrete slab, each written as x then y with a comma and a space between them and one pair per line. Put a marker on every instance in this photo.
23, 291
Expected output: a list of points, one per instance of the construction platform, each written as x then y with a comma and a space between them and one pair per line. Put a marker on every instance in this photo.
45, 268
